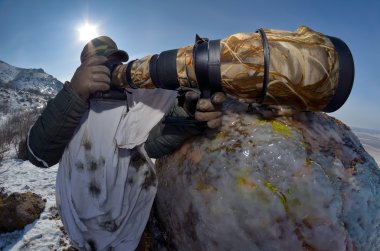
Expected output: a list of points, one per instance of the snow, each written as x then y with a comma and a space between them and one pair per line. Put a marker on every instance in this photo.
24, 90
45, 233
374, 152
7, 72
370, 140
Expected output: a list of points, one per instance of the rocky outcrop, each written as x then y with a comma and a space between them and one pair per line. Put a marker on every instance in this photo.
302, 182
19, 209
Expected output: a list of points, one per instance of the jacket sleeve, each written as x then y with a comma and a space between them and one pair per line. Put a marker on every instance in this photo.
163, 139
55, 127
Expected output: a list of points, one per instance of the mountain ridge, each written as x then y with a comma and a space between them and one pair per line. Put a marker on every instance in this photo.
28, 79
24, 89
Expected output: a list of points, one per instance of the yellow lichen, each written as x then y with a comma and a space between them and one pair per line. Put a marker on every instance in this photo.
281, 129
277, 127
270, 186
279, 194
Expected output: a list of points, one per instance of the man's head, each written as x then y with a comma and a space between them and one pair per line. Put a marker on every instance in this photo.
102, 46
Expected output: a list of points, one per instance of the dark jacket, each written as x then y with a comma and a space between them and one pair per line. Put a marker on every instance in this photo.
55, 127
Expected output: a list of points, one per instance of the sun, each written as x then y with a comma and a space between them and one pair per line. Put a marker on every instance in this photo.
87, 32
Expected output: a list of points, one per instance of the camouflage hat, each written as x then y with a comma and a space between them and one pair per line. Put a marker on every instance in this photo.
102, 46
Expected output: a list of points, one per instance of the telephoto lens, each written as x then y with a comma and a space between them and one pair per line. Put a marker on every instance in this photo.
303, 69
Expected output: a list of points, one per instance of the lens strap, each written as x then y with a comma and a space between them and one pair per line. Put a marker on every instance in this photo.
266, 64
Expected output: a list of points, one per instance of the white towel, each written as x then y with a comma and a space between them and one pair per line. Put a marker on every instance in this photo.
153, 103
106, 184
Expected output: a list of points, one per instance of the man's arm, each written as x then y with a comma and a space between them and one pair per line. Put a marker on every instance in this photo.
52, 131
163, 139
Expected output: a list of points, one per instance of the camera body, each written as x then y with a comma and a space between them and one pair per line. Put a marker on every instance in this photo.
112, 64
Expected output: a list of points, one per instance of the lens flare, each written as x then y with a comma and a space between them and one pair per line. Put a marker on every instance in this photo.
87, 32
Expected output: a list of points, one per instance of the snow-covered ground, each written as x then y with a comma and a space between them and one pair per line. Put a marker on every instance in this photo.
45, 233
370, 140
374, 152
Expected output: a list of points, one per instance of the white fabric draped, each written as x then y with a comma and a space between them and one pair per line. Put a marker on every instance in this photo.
106, 183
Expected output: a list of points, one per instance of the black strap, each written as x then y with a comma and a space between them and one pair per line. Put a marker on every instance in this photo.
112, 94
128, 77
266, 65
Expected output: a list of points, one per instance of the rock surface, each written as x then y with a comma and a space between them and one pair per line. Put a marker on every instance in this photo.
291, 183
19, 209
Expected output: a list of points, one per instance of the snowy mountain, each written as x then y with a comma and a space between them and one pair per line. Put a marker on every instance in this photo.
24, 89
28, 79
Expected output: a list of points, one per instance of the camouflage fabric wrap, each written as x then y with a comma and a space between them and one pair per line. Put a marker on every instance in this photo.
185, 67
102, 46
140, 73
304, 69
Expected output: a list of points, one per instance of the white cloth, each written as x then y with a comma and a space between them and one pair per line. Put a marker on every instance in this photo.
106, 183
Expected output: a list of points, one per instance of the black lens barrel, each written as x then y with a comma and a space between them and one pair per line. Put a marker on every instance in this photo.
163, 68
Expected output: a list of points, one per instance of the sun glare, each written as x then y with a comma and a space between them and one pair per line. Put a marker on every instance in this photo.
87, 32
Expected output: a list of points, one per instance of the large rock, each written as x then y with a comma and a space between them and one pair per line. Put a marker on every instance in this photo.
292, 183
19, 209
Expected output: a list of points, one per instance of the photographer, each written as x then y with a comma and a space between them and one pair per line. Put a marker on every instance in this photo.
106, 182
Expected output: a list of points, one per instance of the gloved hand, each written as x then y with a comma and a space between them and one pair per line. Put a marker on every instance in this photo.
208, 110
91, 76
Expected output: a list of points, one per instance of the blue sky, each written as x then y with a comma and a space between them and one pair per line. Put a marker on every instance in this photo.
43, 33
